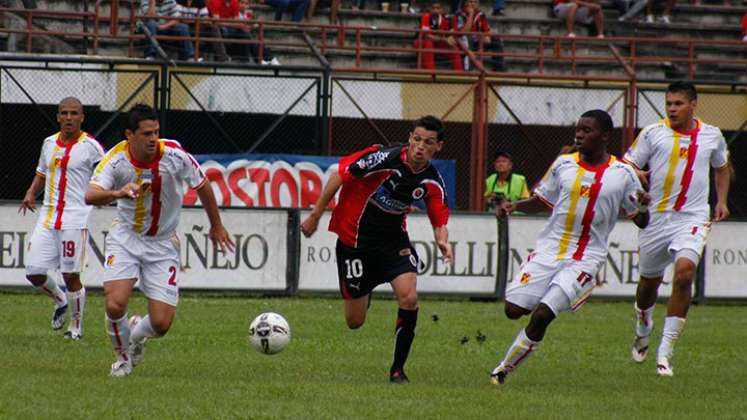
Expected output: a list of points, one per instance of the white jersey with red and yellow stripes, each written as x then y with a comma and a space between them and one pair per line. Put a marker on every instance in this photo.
155, 210
679, 165
66, 169
586, 202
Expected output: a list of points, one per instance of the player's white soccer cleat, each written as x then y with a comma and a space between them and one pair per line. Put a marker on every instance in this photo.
639, 350
498, 376
663, 367
73, 335
136, 350
121, 368
58, 317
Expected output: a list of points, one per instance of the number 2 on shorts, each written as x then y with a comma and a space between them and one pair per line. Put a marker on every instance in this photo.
355, 268
172, 278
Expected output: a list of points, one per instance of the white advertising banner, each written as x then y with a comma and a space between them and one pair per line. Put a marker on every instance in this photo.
259, 262
726, 261
618, 277
474, 240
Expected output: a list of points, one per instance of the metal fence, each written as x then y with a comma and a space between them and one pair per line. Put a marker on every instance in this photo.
227, 109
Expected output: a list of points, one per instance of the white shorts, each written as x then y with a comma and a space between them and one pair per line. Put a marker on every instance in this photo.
666, 236
50, 249
582, 13
540, 273
155, 262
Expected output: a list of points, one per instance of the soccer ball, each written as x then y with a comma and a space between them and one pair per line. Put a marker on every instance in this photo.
269, 333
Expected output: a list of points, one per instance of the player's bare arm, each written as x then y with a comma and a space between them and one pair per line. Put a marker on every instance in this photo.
308, 227
98, 196
29, 200
533, 204
721, 178
441, 234
218, 233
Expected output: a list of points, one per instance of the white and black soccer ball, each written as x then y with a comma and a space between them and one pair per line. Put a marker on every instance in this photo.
269, 333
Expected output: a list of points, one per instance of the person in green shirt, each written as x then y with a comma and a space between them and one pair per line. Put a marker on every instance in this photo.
504, 183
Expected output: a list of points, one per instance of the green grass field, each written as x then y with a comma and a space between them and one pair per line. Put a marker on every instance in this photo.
205, 368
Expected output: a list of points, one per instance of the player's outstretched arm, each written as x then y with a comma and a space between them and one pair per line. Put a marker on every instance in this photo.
308, 226
29, 200
441, 234
98, 196
218, 233
532, 204
722, 178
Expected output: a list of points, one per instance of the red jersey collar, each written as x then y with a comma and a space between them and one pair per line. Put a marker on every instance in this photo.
59, 142
145, 165
602, 166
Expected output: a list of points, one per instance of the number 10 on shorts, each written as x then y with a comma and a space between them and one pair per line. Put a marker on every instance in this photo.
354, 268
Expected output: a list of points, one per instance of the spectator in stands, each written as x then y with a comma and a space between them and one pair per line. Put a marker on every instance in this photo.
436, 20
629, 8
744, 27
281, 6
498, 6
247, 14
504, 183
471, 19
161, 18
231, 9
665, 11
198, 9
585, 12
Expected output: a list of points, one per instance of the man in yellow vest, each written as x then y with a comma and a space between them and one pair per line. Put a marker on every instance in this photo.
504, 184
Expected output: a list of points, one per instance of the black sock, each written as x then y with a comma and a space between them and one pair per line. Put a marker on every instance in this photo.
404, 334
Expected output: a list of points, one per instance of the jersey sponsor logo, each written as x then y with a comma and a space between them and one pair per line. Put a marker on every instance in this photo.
387, 203
413, 261
418, 193
372, 160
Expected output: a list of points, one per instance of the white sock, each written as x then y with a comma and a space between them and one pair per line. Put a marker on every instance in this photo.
521, 348
142, 330
119, 332
78, 303
644, 320
673, 327
51, 289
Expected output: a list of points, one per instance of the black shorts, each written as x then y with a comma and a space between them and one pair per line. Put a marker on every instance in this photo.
361, 270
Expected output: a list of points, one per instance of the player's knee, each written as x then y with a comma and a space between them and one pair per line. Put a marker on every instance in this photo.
72, 281
160, 326
514, 311
355, 322
115, 309
409, 301
543, 315
683, 279
36, 279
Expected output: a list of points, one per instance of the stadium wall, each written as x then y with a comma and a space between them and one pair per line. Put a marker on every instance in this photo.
272, 258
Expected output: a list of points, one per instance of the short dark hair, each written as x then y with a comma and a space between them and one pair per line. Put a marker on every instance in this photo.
140, 112
70, 99
504, 154
602, 118
685, 87
431, 123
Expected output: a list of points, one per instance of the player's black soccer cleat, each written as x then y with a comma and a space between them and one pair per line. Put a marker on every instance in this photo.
398, 377
58, 317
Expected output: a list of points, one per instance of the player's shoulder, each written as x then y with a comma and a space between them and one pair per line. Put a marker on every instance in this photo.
709, 130
566, 159
50, 140
622, 166
119, 151
90, 141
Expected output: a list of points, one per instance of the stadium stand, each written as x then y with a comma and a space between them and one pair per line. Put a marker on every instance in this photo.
708, 33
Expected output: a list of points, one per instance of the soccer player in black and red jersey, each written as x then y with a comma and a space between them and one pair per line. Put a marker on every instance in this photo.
379, 185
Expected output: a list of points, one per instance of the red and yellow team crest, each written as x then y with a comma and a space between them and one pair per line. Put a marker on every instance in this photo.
684, 151
525, 278
110, 260
585, 191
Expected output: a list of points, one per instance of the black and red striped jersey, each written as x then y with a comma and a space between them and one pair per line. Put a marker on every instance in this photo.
378, 190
